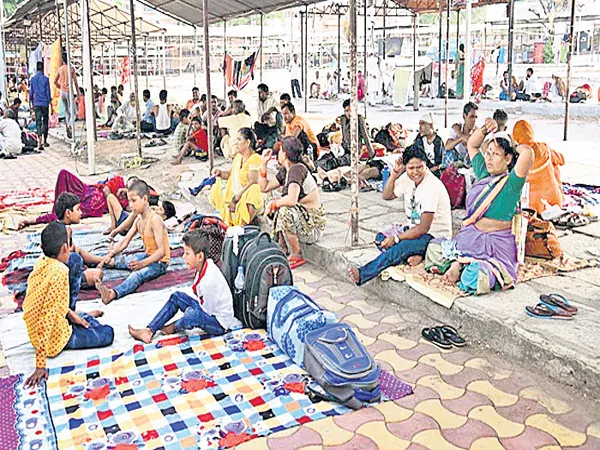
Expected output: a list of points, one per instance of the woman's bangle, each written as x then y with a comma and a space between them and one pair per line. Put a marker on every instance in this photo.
263, 173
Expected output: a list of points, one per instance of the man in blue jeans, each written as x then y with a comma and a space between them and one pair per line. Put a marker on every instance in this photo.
40, 98
428, 216
208, 305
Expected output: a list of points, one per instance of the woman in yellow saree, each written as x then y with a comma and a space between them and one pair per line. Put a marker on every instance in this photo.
240, 200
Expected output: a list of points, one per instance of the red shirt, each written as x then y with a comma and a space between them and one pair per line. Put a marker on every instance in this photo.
201, 139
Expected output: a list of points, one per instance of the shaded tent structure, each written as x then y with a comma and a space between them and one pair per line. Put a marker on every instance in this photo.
94, 15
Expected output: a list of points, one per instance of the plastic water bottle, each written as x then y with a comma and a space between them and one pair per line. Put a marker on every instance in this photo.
385, 175
239, 279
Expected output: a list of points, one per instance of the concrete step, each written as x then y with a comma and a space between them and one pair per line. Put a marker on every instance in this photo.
567, 351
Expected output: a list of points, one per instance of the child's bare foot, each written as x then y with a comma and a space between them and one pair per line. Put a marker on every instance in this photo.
354, 274
96, 313
144, 334
107, 294
453, 274
414, 260
168, 329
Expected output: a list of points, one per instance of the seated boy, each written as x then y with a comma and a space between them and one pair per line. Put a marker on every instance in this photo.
121, 220
197, 142
68, 212
208, 304
145, 266
51, 325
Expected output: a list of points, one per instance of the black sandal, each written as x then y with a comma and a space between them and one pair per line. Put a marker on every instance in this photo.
327, 186
452, 335
436, 337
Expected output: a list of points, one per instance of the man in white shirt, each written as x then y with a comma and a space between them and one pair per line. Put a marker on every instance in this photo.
428, 216
10, 136
238, 120
207, 305
296, 75
125, 121
530, 85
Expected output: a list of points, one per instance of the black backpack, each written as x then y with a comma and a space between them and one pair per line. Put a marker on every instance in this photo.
264, 266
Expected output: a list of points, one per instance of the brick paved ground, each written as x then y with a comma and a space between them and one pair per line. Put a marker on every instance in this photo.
464, 399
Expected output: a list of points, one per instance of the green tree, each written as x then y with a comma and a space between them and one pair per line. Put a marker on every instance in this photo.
548, 52
10, 6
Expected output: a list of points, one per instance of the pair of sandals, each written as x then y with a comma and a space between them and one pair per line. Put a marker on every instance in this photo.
161, 142
443, 336
571, 220
328, 186
552, 306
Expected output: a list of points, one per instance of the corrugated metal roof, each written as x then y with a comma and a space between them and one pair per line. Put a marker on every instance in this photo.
431, 6
108, 22
190, 11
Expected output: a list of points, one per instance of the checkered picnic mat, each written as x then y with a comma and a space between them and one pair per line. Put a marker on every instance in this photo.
196, 392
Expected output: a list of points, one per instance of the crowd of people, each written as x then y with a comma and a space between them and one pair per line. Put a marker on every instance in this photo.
277, 165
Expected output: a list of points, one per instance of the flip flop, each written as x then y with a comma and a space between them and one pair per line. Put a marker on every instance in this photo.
558, 301
436, 337
541, 311
296, 262
452, 335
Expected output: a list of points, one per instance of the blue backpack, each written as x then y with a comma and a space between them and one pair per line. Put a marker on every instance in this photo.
341, 366
291, 314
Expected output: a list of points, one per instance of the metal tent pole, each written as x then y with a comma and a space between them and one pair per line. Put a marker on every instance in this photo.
102, 65
180, 54
224, 58
2, 55
211, 157
40, 20
195, 52
301, 53
116, 63
164, 60
146, 65
135, 77
415, 83
440, 52
366, 74
384, 26
447, 62
569, 62
261, 47
90, 116
468, 52
306, 59
511, 20
339, 50
353, 127
71, 98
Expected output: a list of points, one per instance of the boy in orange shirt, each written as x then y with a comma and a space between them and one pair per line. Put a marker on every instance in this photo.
144, 266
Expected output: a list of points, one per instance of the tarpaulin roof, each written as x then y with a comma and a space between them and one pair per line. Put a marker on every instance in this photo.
190, 11
108, 22
430, 6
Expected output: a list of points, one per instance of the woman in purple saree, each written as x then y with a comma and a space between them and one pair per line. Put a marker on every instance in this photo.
93, 201
483, 256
